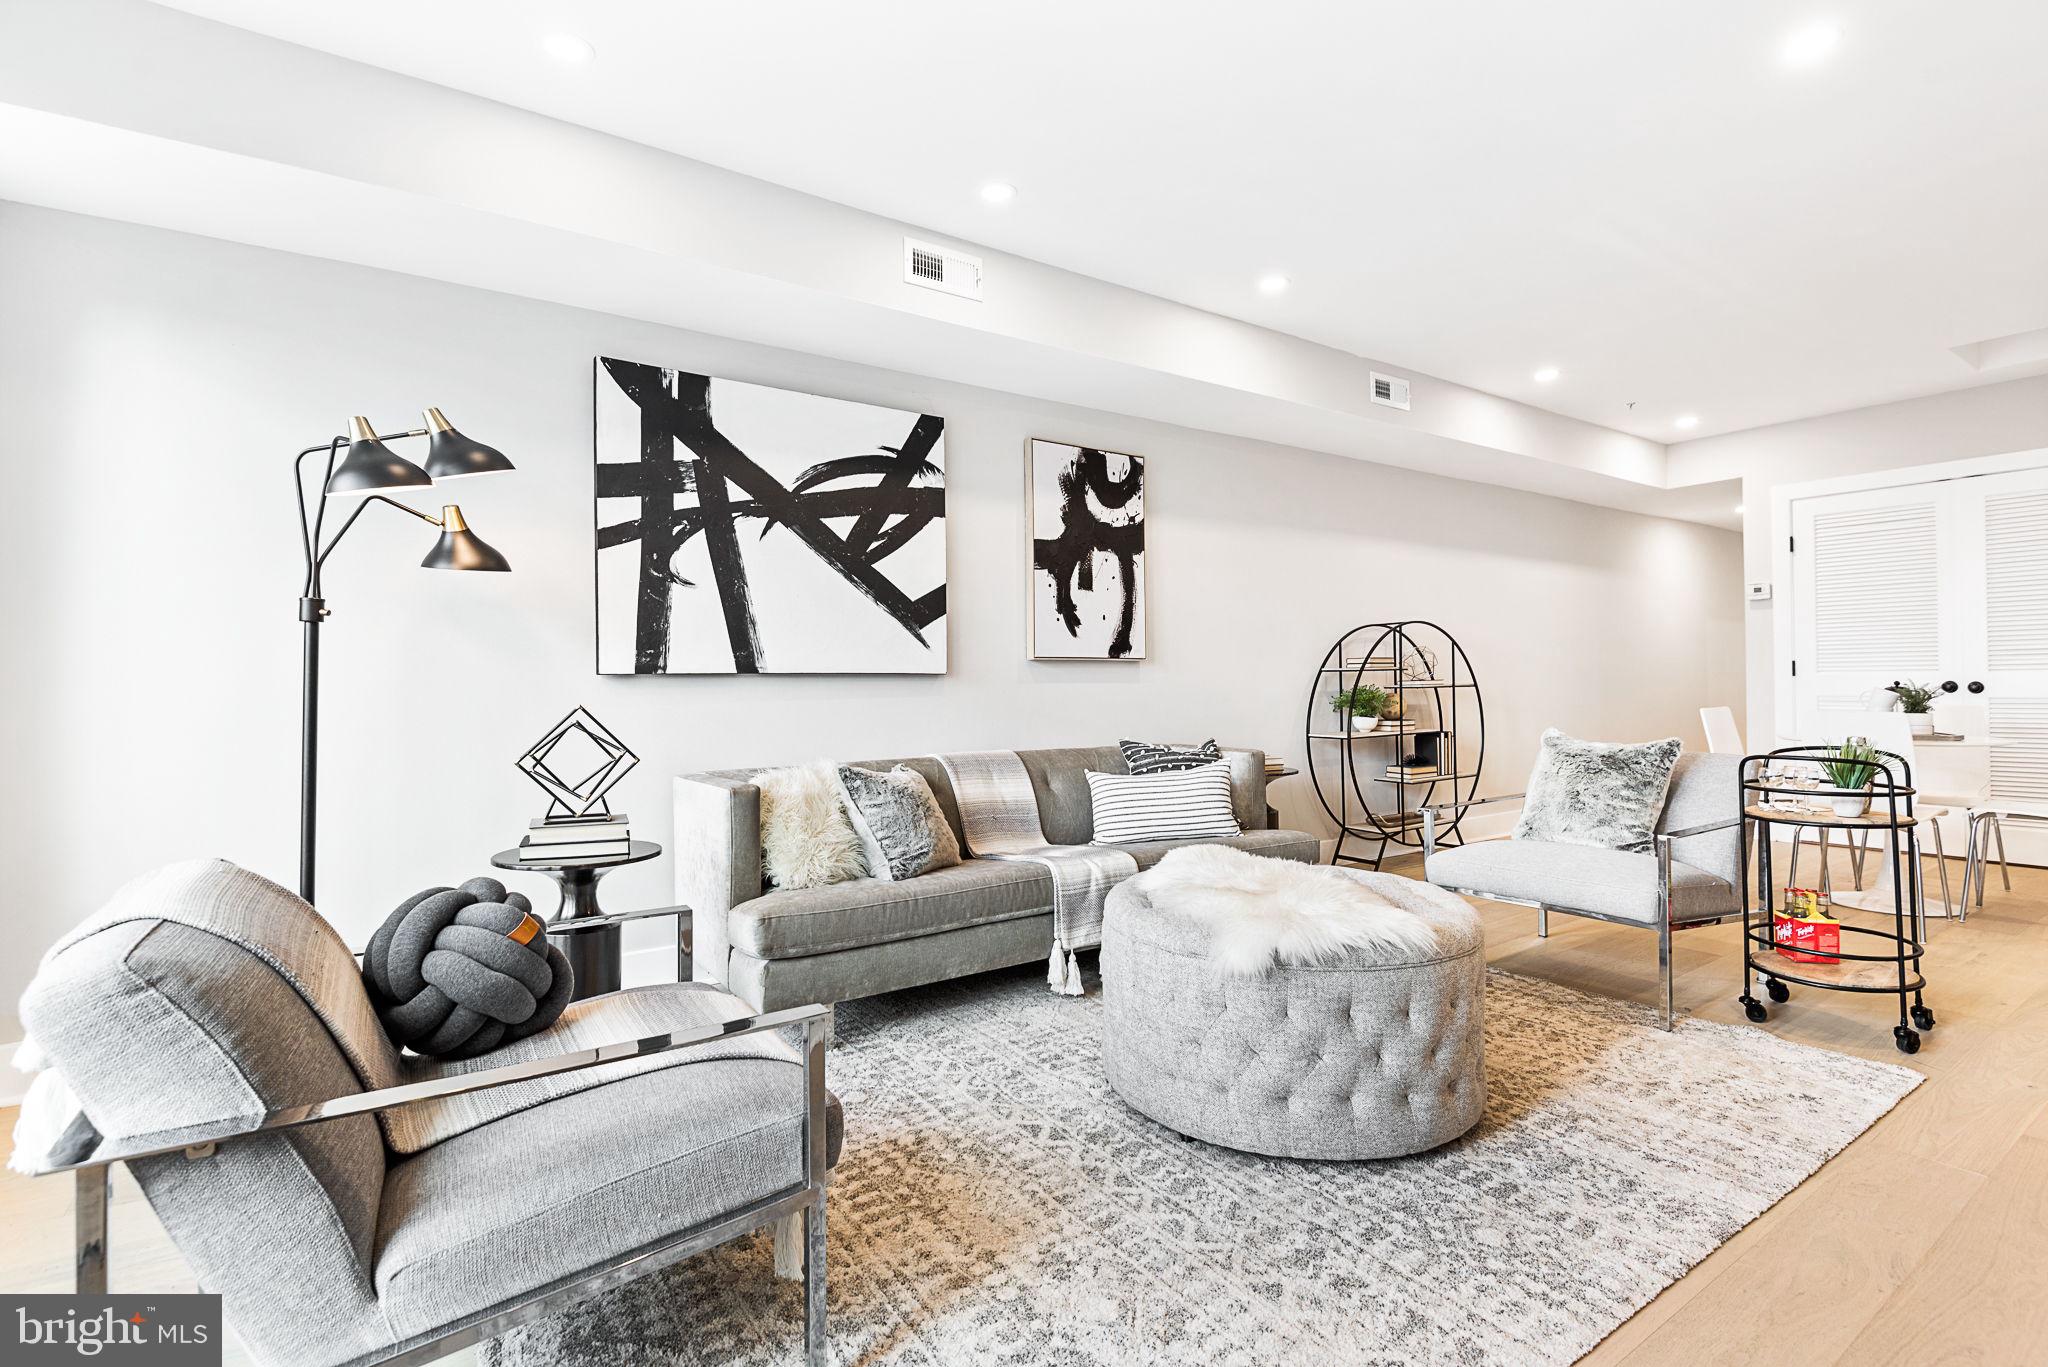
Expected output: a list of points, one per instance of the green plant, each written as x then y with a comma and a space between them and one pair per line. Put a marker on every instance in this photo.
1361, 700
1850, 766
1914, 697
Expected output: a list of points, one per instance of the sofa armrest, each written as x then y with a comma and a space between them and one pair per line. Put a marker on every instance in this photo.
1247, 786
717, 860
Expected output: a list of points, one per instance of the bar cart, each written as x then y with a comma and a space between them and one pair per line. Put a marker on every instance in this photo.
1774, 795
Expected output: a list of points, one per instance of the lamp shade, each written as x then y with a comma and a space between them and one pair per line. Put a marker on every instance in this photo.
450, 454
370, 465
461, 549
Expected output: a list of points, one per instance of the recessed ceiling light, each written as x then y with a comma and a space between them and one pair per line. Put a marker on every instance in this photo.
1546, 374
567, 47
1686, 420
1809, 44
1274, 283
998, 192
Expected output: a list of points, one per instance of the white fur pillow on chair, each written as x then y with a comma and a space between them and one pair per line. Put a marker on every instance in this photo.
1262, 911
806, 839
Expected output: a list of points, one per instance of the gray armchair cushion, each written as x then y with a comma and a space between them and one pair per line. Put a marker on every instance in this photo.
552, 1190
1612, 883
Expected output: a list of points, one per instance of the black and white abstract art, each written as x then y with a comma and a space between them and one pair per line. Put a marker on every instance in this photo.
743, 529
1087, 553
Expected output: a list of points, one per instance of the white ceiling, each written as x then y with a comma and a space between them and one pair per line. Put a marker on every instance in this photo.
1642, 195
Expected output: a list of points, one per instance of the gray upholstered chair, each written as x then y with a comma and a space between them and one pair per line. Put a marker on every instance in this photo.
1693, 876
216, 1031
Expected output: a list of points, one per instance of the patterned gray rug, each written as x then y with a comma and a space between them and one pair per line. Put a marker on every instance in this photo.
998, 1204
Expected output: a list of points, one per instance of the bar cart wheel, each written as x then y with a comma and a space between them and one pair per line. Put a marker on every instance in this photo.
1779, 992
1753, 1008
1907, 1038
1923, 1018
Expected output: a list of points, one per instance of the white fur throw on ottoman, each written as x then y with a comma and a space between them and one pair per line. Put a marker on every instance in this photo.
1294, 1010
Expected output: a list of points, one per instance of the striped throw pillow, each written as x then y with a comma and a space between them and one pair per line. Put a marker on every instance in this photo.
1187, 804
1143, 757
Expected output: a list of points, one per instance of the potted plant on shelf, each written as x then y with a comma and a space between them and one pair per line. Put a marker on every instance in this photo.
1850, 767
1917, 702
1361, 706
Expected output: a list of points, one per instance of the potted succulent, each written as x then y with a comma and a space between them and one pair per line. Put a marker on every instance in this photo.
1917, 702
1361, 705
1850, 767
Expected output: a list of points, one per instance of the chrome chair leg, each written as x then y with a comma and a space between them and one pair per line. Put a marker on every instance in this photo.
1827, 884
1664, 968
1792, 866
1941, 866
1859, 845
1543, 923
89, 1219
814, 1282
2004, 869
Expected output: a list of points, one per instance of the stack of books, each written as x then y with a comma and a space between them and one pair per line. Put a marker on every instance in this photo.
1274, 766
1378, 662
1411, 771
549, 839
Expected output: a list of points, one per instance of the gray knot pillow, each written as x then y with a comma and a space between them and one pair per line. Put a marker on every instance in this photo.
1589, 792
456, 972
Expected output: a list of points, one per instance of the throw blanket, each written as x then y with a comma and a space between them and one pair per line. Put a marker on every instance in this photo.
999, 815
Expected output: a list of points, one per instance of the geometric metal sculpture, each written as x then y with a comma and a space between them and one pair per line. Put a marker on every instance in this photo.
576, 763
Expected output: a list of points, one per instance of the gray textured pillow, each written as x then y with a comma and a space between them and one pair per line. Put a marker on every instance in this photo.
899, 822
1589, 792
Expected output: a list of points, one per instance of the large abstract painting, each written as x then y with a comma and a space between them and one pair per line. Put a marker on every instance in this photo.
1087, 553
743, 529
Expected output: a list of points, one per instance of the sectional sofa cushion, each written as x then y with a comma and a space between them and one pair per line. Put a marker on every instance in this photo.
1612, 883
902, 831
1188, 804
1147, 757
806, 839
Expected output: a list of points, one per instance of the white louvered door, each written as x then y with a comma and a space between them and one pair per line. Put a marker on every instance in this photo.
1945, 584
1867, 586
2011, 653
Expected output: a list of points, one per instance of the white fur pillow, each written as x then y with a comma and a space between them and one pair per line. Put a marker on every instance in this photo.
806, 839
1261, 912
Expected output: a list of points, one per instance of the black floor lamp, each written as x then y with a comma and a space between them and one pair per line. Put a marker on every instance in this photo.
371, 466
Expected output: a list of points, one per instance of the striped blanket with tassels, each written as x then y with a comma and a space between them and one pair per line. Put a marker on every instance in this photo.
999, 816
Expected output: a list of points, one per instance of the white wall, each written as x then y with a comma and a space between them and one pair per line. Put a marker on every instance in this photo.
155, 385
1987, 421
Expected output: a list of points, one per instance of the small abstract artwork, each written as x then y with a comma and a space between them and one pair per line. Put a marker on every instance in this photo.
1087, 553
743, 529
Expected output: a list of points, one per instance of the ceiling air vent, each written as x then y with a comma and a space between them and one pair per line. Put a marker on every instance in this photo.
937, 268
1390, 390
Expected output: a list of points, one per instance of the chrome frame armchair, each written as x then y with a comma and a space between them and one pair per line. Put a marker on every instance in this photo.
1665, 923
803, 1201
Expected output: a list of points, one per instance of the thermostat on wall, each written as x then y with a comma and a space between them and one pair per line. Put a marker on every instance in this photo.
1759, 593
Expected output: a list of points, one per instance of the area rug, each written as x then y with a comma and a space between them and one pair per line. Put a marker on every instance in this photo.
997, 1203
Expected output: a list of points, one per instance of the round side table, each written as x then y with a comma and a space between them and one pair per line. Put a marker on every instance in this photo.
593, 955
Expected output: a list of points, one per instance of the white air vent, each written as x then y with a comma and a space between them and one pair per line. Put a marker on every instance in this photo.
1390, 390
937, 268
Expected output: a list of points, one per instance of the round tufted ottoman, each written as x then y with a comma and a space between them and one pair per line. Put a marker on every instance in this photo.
1376, 1055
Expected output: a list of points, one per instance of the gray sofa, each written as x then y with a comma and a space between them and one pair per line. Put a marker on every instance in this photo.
775, 947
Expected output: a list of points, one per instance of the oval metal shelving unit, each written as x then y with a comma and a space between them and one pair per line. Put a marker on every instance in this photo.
1385, 804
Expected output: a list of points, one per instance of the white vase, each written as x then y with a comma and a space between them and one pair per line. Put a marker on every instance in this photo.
1850, 806
1920, 723
1361, 725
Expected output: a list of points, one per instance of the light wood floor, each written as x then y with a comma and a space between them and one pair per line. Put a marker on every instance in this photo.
1925, 1242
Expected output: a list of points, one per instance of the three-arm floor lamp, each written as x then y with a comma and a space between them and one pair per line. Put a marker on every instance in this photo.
369, 467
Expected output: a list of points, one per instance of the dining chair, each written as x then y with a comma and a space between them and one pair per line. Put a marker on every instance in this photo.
1723, 736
